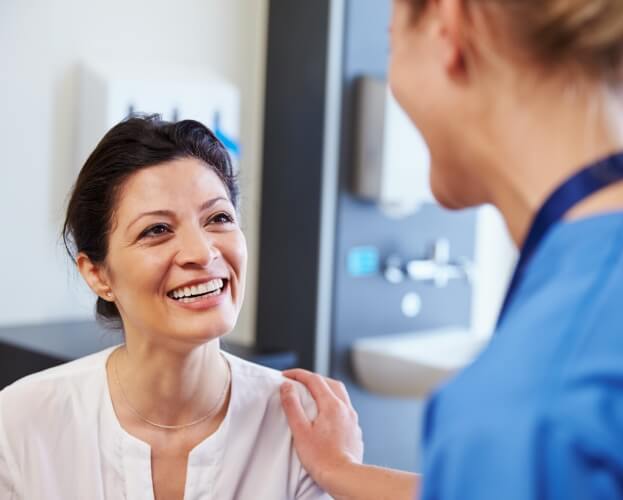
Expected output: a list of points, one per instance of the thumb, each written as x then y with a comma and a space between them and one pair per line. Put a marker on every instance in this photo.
297, 420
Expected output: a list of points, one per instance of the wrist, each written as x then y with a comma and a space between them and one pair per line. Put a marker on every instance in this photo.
336, 479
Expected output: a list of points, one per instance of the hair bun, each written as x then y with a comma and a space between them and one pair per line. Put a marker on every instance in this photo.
588, 32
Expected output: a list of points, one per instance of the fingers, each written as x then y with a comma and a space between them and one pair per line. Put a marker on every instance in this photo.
293, 409
339, 389
315, 384
321, 388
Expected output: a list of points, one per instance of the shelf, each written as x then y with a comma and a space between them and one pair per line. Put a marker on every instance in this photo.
27, 349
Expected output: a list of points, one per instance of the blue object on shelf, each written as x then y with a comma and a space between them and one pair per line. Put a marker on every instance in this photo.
363, 261
232, 146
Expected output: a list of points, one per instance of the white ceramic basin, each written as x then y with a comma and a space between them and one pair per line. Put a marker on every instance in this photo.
413, 364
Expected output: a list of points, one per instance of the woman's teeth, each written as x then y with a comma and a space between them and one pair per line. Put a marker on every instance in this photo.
191, 293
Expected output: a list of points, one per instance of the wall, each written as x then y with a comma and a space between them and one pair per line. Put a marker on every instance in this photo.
495, 257
41, 44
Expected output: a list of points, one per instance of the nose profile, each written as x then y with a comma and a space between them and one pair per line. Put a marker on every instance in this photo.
196, 248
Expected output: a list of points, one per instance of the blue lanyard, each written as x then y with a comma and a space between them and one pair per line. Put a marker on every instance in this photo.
575, 189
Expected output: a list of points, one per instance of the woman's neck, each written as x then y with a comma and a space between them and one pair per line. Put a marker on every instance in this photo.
535, 143
167, 386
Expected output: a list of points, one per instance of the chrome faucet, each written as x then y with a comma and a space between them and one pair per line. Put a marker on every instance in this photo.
436, 268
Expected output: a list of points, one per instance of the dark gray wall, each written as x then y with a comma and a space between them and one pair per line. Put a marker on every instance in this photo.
291, 206
291, 177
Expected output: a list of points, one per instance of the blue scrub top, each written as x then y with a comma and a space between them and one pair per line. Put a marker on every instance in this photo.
539, 415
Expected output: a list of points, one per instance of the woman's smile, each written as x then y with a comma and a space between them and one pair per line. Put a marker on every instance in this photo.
200, 295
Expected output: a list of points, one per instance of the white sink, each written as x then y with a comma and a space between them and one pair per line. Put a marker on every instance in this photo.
413, 364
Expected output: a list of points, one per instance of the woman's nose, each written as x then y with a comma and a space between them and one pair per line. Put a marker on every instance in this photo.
196, 247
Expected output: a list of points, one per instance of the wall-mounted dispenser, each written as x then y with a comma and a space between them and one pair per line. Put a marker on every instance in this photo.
110, 92
391, 157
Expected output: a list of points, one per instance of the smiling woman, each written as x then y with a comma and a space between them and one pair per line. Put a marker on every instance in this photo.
174, 231
152, 225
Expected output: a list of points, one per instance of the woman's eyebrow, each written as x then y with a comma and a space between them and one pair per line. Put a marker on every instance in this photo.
169, 213
209, 203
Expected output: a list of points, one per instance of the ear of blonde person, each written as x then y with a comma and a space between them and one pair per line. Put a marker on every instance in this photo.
582, 34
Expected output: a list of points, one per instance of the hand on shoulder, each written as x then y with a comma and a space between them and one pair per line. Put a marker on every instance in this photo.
331, 440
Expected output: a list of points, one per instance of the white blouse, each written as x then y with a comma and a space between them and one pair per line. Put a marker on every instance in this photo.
60, 440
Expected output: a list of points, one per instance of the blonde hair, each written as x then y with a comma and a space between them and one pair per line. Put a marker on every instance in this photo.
585, 33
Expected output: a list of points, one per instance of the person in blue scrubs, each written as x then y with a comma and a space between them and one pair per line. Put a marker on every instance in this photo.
520, 104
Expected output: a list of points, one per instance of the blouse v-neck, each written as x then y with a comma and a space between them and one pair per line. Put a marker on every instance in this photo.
204, 459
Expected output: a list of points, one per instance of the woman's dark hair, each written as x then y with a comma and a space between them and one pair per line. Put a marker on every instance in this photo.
134, 144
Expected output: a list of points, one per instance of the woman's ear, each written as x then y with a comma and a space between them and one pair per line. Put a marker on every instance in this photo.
452, 18
96, 277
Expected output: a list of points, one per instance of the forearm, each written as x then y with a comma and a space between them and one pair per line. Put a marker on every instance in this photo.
367, 482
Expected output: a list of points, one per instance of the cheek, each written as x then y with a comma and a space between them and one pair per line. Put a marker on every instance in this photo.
243, 256
408, 79
148, 266
400, 37
235, 251
398, 80
137, 273
398, 63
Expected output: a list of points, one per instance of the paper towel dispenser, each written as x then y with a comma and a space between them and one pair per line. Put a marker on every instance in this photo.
391, 157
113, 90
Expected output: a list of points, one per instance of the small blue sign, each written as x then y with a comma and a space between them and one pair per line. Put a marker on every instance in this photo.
229, 142
363, 261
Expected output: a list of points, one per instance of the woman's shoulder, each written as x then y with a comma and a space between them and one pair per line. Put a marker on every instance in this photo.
41, 392
254, 373
261, 384
263, 433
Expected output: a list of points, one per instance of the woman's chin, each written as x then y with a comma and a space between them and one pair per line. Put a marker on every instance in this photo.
445, 198
451, 196
201, 337
200, 331
207, 319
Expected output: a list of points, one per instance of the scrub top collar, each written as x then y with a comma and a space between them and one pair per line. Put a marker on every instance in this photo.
578, 187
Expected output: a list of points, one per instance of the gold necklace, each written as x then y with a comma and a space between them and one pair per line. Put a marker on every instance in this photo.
210, 413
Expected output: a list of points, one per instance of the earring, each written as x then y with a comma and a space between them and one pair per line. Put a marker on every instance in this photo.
109, 295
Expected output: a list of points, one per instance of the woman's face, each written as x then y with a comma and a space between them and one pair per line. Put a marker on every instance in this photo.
177, 258
436, 99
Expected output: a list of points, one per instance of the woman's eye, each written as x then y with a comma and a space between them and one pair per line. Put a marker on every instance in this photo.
222, 218
156, 230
